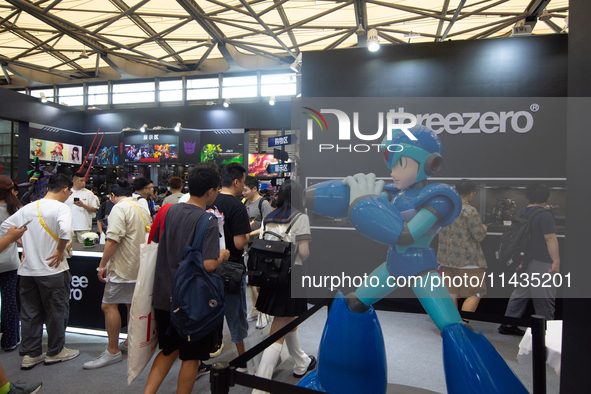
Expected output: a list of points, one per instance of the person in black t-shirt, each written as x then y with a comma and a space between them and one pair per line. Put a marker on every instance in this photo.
546, 260
236, 230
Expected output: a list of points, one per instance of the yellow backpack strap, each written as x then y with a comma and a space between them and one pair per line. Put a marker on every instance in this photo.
44, 225
68, 246
143, 218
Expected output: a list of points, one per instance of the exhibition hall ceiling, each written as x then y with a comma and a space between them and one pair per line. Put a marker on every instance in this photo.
46, 42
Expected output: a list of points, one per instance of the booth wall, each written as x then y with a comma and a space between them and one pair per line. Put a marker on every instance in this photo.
576, 342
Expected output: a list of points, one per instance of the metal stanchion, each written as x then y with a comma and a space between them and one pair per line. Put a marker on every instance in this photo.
538, 335
219, 378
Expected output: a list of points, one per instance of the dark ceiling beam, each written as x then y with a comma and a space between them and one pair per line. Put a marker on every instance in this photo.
254, 44
314, 17
553, 26
494, 24
162, 34
407, 32
17, 12
361, 21
496, 27
228, 7
340, 40
226, 22
267, 29
35, 67
277, 3
126, 11
388, 37
285, 21
303, 44
419, 11
453, 20
37, 43
84, 36
204, 57
260, 52
217, 12
198, 15
49, 7
440, 25
6, 74
481, 9
201, 44
139, 22
22, 54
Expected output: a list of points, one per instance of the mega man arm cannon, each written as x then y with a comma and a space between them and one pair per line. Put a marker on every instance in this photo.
405, 215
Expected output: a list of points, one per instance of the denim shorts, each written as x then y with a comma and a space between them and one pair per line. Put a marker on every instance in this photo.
236, 314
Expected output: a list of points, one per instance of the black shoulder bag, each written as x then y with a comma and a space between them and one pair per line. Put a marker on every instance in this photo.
269, 262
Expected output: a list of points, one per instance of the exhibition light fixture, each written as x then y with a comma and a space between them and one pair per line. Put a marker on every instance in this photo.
373, 42
412, 34
43, 98
226, 103
84, 55
272, 100
360, 30
296, 66
177, 128
143, 128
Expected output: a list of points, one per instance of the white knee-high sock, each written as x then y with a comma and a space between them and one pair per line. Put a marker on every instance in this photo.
301, 359
268, 362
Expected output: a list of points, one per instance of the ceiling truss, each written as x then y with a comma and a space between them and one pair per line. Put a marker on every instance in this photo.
57, 42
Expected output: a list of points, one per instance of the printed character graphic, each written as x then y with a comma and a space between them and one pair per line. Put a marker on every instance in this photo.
75, 157
57, 152
406, 215
38, 151
189, 147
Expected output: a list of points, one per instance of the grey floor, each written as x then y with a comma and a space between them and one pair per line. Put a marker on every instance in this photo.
413, 344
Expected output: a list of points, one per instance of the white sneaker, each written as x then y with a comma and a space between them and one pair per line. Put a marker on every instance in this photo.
262, 321
29, 362
103, 360
252, 316
65, 355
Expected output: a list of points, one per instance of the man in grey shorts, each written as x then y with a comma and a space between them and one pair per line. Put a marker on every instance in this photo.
128, 225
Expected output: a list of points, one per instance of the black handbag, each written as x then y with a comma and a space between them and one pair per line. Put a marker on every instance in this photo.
269, 262
231, 273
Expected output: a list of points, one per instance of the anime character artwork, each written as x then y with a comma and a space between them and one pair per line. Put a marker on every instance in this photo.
405, 215
57, 154
37, 148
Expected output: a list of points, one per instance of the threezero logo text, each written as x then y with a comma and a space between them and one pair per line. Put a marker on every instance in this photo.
453, 123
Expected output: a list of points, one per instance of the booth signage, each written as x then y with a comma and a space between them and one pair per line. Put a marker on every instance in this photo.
277, 168
284, 140
278, 181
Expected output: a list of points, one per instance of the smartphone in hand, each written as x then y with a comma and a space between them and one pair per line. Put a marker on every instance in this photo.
25, 225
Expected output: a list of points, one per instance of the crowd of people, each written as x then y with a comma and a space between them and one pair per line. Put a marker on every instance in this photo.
45, 229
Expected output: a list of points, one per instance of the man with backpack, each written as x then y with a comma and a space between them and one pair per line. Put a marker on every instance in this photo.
544, 259
178, 232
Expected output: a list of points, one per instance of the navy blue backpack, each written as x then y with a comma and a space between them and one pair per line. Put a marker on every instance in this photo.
198, 298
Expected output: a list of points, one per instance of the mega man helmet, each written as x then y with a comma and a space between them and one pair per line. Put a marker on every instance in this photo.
426, 150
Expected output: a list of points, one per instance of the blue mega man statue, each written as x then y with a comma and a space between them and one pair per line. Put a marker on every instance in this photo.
407, 216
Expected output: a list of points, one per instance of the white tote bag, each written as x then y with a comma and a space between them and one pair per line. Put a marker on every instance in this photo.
142, 330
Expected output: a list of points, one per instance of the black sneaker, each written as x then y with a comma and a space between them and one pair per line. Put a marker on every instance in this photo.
204, 369
510, 330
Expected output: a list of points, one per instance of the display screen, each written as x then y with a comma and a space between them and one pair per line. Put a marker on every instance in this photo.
151, 153
55, 151
220, 154
258, 162
108, 155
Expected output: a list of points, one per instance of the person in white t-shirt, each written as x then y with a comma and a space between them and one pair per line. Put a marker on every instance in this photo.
128, 224
44, 274
84, 206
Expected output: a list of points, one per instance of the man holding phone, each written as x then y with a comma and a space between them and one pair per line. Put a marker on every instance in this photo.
84, 206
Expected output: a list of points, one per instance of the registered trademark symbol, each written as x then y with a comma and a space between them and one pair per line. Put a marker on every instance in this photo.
534, 107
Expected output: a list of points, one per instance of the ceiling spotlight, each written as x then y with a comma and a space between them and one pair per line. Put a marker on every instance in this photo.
373, 42
296, 66
84, 55
226, 103
272, 100
546, 16
360, 30
177, 128
412, 34
210, 103
209, 43
143, 128
43, 98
